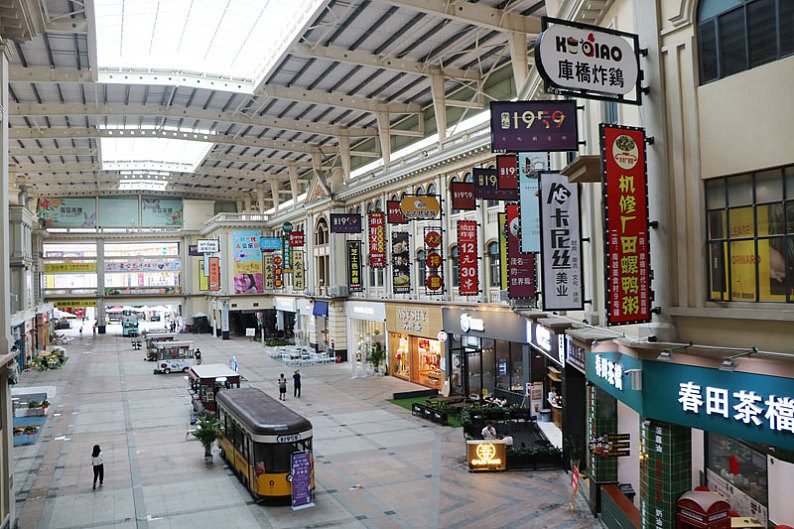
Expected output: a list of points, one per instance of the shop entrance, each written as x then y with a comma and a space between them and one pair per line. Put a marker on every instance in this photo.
467, 376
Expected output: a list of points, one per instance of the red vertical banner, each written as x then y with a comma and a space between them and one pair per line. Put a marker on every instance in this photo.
395, 214
377, 240
507, 168
463, 195
469, 278
625, 184
520, 266
434, 272
215, 273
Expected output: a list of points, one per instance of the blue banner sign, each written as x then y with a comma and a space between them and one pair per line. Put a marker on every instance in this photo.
269, 244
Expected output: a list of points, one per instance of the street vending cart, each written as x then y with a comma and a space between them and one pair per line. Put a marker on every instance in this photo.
206, 381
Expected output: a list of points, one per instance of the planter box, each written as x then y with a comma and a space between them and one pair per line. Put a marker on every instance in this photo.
428, 413
534, 462
30, 412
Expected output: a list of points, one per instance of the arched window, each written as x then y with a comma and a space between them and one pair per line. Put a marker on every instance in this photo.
455, 266
377, 206
419, 191
394, 197
431, 189
358, 209
736, 35
321, 237
454, 179
369, 207
493, 264
422, 268
404, 194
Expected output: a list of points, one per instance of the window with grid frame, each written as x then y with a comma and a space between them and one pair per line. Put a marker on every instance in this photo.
455, 254
493, 264
750, 236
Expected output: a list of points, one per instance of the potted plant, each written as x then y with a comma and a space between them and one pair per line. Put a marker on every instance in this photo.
375, 356
207, 432
45, 404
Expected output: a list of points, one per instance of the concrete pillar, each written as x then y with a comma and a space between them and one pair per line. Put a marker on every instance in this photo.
260, 199
101, 317
274, 184
385, 138
439, 104
344, 154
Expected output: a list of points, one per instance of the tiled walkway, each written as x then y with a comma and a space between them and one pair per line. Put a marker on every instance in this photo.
377, 466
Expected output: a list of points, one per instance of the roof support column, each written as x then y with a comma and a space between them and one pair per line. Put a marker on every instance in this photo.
344, 154
247, 203
239, 203
518, 56
383, 134
260, 199
5, 263
439, 105
317, 165
293, 183
274, 191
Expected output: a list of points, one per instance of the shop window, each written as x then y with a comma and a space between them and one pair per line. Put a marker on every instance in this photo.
375, 277
740, 464
422, 268
494, 264
736, 35
750, 232
455, 254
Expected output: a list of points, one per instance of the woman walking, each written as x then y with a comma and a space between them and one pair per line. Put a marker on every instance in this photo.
98, 464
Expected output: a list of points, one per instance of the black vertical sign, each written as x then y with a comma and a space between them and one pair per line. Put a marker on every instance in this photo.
354, 266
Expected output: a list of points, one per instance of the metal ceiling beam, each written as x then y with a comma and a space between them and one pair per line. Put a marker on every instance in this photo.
32, 151
73, 109
475, 14
331, 99
17, 133
379, 61
41, 169
235, 158
67, 25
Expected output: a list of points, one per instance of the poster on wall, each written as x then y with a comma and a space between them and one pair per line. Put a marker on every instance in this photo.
204, 280
354, 281
434, 272
395, 214
247, 262
486, 185
469, 280
561, 258
521, 266
345, 223
625, 185
530, 165
161, 211
269, 276
298, 271
401, 262
377, 240
118, 211
463, 195
67, 212
215, 273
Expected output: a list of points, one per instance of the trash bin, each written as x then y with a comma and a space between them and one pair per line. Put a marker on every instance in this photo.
627, 491
545, 415
338, 359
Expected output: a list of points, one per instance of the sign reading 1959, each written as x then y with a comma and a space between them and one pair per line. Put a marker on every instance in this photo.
525, 126
289, 438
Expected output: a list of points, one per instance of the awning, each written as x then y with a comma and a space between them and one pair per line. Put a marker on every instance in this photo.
320, 308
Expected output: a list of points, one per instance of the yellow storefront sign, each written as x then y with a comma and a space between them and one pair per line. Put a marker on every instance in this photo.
73, 303
54, 268
486, 455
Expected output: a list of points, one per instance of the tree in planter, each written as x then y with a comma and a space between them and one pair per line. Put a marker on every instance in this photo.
376, 355
206, 432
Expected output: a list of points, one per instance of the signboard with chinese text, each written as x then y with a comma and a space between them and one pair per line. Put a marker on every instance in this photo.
296, 238
204, 280
298, 271
345, 223
521, 266
434, 272
72, 303
420, 207
507, 166
208, 246
524, 126
156, 265
301, 473
68, 212
247, 260
354, 281
502, 221
486, 185
269, 275
377, 240
53, 268
286, 253
278, 271
215, 273
425, 321
469, 280
401, 262
588, 61
269, 244
114, 291
561, 259
161, 211
625, 201
463, 195
486, 456
530, 165
395, 214
607, 370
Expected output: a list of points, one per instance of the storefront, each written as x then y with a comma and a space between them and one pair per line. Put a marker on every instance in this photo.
700, 423
488, 353
320, 315
286, 309
415, 352
366, 336
305, 328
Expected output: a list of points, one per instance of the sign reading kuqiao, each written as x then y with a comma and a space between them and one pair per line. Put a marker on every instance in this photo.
588, 61
420, 208
208, 246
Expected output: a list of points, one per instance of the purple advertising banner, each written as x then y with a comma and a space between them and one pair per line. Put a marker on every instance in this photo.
301, 480
345, 223
521, 266
524, 126
486, 185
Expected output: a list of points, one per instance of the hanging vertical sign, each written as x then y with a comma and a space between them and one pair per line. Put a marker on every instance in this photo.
286, 252
354, 266
486, 185
296, 238
377, 240
298, 272
626, 225
469, 280
345, 223
394, 212
507, 167
269, 275
434, 275
463, 195
215, 273
521, 266
530, 165
278, 271
401, 263
561, 263
502, 217
204, 280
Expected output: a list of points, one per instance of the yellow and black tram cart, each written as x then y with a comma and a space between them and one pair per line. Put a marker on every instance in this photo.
258, 437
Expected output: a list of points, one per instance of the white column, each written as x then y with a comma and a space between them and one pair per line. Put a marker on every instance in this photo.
101, 319
439, 104
293, 183
518, 56
344, 154
274, 191
383, 134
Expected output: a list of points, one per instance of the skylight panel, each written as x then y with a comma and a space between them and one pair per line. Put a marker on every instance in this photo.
152, 154
230, 39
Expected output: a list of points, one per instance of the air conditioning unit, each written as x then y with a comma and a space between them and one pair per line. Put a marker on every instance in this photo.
338, 291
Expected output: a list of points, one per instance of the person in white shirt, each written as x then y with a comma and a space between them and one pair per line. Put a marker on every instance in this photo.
98, 464
489, 432
508, 439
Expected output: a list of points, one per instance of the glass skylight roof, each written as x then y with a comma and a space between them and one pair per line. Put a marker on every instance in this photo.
152, 154
225, 39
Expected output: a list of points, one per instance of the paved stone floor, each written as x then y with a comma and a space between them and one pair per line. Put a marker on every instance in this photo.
411, 473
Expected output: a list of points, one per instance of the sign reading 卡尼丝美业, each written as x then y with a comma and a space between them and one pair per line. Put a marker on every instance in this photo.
588, 61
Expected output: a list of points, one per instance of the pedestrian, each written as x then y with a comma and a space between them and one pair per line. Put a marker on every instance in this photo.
297, 383
94, 329
198, 356
489, 432
81, 330
98, 464
282, 388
